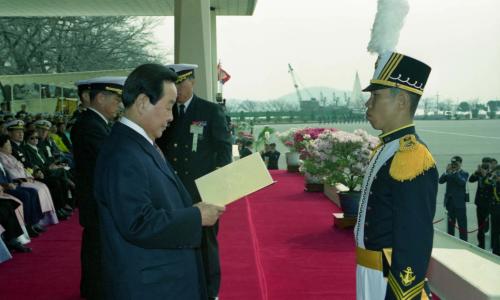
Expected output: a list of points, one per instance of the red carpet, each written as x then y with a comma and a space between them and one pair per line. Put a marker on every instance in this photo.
51, 271
276, 244
279, 244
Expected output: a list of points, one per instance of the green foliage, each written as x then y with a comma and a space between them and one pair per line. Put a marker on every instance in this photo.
263, 138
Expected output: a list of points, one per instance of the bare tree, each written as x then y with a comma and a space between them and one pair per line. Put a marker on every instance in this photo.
248, 106
65, 44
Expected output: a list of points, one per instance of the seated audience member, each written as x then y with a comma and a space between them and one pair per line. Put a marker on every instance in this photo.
63, 134
29, 198
10, 222
18, 174
51, 173
48, 147
15, 129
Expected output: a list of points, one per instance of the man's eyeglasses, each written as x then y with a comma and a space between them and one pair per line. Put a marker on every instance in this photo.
34, 138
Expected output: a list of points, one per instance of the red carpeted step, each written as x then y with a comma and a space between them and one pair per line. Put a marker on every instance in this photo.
288, 235
51, 271
276, 244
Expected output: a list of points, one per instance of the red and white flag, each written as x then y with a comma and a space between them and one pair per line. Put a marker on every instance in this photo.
222, 76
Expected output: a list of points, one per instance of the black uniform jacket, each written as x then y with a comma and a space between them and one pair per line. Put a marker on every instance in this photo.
214, 148
88, 134
399, 216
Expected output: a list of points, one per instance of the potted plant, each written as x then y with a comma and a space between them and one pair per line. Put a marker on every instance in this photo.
312, 165
292, 156
296, 140
342, 158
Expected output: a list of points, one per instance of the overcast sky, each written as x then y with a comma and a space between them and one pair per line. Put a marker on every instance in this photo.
325, 41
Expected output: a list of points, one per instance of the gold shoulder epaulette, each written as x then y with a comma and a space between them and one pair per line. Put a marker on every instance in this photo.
412, 159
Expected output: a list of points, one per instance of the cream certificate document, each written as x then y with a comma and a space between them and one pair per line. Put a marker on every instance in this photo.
233, 181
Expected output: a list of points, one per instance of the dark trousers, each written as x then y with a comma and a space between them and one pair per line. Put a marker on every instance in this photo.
58, 191
210, 256
31, 204
457, 215
9, 220
482, 214
495, 229
91, 282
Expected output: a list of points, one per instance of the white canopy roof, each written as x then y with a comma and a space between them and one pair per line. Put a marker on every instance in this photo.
115, 7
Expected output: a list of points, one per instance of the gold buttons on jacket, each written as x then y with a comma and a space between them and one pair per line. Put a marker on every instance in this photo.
175, 145
175, 158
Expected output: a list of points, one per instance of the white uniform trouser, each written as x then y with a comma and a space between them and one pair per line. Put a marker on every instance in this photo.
370, 284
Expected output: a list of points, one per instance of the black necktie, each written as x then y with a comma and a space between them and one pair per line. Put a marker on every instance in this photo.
181, 111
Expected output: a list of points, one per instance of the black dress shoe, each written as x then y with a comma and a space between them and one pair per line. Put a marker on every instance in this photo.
31, 232
18, 247
61, 215
39, 228
67, 211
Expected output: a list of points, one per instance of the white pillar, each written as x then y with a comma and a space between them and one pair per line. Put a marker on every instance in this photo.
193, 42
213, 27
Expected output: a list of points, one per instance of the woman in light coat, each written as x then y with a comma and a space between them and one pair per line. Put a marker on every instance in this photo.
18, 173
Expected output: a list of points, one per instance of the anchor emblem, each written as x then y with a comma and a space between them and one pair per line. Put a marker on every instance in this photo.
408, 277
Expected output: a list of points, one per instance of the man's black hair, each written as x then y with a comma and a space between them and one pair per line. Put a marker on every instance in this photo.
147, 79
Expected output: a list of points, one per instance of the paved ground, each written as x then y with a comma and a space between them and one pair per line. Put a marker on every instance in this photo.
470, 139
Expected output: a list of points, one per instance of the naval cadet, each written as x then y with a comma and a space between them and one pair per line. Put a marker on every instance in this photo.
394, 229
196, 143
88, 135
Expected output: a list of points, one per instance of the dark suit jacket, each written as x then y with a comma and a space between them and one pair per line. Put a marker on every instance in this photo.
455, 189
484, 192
88, 134
49, 150
33, 160
149, 230
214, 145
18, 152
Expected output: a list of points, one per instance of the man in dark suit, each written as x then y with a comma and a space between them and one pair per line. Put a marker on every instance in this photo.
197, 142
454, 198
149, 228
88, 134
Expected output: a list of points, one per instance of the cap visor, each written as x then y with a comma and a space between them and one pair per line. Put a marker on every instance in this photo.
374, 87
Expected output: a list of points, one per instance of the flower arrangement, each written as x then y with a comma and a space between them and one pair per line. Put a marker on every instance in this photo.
296, 140
339, 157
287, 138
243, 137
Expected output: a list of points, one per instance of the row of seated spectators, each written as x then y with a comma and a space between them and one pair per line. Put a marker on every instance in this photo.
36, 186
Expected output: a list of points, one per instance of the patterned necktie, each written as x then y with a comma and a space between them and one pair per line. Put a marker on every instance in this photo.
160, 152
